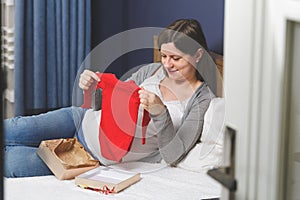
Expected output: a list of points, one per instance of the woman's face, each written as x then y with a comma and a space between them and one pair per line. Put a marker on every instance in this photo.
178, 65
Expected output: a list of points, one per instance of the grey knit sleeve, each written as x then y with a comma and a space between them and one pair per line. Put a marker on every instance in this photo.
174, 146
142, 72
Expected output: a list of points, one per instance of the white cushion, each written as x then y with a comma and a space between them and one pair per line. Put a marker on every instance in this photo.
209, 152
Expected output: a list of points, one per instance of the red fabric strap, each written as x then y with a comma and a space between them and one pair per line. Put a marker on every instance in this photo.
120, 104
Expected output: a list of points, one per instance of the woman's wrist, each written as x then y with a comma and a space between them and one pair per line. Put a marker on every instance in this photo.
157, 110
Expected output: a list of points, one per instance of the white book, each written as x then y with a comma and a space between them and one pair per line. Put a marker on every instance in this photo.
106, 179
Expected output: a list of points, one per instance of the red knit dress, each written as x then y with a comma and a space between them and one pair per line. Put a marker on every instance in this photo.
119, 114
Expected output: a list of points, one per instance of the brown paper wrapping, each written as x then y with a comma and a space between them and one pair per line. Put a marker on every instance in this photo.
66, 158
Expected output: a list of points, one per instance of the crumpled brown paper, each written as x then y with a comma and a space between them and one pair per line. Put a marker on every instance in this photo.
71, 153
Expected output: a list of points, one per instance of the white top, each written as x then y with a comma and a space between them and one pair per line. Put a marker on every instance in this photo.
138, 151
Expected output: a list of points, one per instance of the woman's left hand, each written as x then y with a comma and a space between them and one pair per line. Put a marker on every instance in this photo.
151, 102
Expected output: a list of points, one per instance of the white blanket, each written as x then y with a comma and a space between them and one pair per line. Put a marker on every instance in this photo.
188, 181
158, 182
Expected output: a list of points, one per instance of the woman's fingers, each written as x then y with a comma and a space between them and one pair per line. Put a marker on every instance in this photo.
88, 78
151, 102
144, 98
83, 86
91, 75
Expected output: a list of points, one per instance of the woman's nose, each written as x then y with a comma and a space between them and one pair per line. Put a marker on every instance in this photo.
168, 62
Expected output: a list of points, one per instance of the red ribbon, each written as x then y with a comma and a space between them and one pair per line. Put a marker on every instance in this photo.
103, 190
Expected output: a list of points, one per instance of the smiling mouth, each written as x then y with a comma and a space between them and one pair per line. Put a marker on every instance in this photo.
172, 70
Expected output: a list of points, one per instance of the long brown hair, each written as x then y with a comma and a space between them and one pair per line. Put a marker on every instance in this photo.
186, 34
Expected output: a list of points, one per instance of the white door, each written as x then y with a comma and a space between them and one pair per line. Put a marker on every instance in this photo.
261, 88
291, 126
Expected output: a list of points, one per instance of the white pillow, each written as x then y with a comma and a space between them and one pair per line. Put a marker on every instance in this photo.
209, 152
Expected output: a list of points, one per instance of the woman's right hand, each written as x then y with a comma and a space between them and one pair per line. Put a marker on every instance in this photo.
88, 80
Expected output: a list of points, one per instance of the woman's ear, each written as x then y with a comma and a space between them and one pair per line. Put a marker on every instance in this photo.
198, 54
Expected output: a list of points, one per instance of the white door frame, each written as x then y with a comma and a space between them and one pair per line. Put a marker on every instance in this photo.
254, 66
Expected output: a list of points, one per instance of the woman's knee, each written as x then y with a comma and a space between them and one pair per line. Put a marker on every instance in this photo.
31, 130
23, 162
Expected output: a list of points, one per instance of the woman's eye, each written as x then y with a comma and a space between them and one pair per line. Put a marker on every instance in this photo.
175, 58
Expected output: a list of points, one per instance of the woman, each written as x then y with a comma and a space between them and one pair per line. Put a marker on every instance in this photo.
174, 93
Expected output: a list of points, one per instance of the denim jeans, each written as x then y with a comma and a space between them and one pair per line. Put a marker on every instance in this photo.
22, 136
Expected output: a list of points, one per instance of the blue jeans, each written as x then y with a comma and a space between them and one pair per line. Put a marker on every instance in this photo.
22, 136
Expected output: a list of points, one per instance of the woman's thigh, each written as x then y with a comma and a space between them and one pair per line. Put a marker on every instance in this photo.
31, 130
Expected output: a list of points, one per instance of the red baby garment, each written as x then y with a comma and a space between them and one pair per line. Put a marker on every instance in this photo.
120, 104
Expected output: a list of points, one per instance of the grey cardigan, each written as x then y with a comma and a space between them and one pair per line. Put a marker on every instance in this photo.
174, 145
